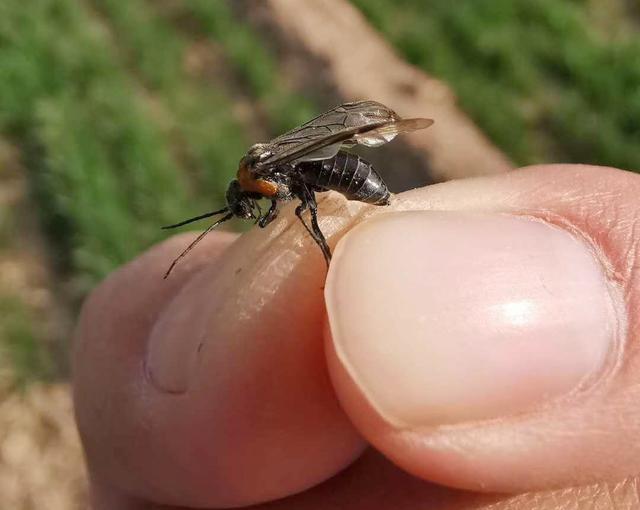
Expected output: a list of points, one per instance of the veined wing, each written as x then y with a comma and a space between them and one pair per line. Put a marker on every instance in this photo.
363, 122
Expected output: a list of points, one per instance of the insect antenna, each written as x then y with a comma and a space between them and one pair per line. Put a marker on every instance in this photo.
197, 239
196, 218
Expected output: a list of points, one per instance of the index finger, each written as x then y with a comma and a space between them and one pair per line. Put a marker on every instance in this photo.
210, 388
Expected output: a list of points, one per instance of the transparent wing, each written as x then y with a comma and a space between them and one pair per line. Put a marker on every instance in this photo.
324, 153
364, 122
388, 132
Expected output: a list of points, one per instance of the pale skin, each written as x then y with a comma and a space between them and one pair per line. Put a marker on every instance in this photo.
221, 386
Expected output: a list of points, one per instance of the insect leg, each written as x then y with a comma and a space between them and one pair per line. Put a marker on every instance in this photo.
301, 209
308, 201
319, 236
271, 215
258, 217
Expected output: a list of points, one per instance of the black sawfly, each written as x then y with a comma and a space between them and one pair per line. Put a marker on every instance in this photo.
307, 160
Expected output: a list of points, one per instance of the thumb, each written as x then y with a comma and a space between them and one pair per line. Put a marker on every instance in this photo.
473, 342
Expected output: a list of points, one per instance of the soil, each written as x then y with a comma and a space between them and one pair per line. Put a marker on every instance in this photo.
40, 457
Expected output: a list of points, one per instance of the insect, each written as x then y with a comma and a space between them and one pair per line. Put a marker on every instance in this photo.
308, 160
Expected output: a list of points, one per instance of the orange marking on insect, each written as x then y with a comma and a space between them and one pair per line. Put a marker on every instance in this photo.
249, 183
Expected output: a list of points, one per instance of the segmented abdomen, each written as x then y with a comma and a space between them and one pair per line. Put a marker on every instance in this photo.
348, 174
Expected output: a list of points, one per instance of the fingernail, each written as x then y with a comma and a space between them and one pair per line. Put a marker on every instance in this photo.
446, 317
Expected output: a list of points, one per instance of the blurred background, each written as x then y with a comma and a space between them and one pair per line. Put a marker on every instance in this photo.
117, 117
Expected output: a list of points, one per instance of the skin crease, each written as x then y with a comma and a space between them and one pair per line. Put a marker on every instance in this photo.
193, 445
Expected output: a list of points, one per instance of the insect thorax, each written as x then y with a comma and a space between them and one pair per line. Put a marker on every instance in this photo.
257, 152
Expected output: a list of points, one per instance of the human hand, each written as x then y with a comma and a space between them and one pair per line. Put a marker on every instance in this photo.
488, 342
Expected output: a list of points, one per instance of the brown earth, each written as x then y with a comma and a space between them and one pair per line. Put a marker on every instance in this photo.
40, 456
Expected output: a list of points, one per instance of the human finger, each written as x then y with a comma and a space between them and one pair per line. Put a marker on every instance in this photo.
473, 342
209, 388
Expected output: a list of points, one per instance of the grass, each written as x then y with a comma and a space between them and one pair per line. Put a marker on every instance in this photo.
534, 74
117, 136
7, 231
197, 115
254, 64
97, 163
22, 358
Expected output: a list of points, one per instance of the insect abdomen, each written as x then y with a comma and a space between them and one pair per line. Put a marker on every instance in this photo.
348, 174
